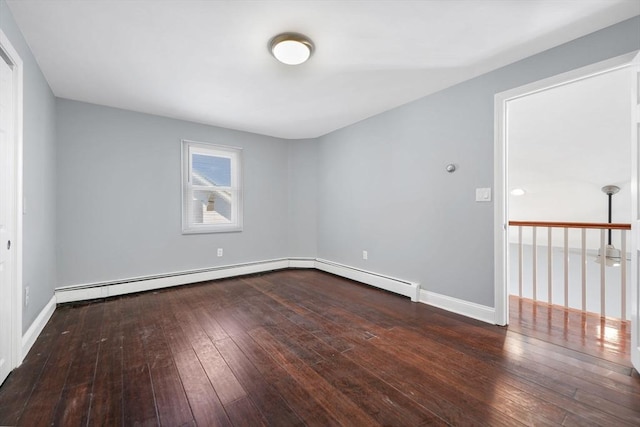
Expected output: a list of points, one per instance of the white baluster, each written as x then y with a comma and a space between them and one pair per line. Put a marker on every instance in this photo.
566, 267
534, 259
584, 269
520, 261
549, 266
603, 265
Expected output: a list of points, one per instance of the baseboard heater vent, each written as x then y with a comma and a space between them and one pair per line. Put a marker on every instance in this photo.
391, 284
147, 283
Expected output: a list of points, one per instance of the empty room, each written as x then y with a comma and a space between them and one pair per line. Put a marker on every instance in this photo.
356, 213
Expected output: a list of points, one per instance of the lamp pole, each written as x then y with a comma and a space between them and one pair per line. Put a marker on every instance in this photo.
610, 190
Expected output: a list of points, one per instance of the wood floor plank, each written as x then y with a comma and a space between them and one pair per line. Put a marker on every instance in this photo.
332, 399
584, 362
434, 392
556, 325
302, 400
209, 324
471, 369
47, 393
243, 413
73, 409
378, 399
272, 406
107, 406
79, 382
303, 347
138, 397
203, 400
515, 399
225, 384
16, 391
171, 402
107, 392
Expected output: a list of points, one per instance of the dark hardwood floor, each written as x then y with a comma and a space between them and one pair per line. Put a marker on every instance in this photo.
301, 347
602, 337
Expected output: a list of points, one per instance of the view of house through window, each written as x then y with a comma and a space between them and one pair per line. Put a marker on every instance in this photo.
211, 188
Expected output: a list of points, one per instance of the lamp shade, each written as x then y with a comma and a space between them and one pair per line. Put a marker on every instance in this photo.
612, 256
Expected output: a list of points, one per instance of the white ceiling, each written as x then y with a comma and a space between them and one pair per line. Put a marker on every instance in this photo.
207, 61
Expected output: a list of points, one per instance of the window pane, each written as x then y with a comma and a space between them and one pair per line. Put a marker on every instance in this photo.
210, 170
211, 207
211, 188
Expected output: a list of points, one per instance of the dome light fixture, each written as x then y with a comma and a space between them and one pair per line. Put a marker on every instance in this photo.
291, 48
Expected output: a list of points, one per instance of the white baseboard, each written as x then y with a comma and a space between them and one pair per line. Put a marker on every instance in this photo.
302, 263
458, 306
29, 337
140, 284
391, 284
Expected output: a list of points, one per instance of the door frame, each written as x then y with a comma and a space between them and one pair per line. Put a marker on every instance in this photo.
635, 211
501, 207
7, 50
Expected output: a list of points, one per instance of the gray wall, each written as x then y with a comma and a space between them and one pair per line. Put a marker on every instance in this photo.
303, 183
119, 196
383, 187
39, 232
378, 185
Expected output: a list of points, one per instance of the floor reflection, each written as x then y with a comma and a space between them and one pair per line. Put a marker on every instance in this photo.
603, 337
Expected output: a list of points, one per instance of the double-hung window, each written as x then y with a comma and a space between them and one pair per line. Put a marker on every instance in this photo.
211, 188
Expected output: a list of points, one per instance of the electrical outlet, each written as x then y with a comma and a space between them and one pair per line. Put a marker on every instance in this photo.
26, 296
220, 251
365, 255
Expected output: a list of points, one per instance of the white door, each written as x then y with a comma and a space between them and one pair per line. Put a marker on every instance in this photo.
635, 219
7, 213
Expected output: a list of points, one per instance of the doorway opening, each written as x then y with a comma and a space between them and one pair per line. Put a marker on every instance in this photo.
558, 143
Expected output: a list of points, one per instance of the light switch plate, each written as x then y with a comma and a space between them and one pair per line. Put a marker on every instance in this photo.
483, 194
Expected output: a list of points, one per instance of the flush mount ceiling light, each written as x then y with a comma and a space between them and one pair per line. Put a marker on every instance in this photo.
517, 192
291, 48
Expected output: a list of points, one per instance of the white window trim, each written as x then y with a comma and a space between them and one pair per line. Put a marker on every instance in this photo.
235, 154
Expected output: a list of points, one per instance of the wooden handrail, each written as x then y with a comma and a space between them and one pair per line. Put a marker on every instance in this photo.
596, 225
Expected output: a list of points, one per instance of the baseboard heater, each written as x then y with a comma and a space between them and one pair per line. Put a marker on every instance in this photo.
146, 283
391, 284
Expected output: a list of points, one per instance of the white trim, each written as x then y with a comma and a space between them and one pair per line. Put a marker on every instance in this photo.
148, 283
634, 284
235, 156
139, 284
29, 337
302, 263
501, 215
398, 286
458, 306
18, 70
568, 77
